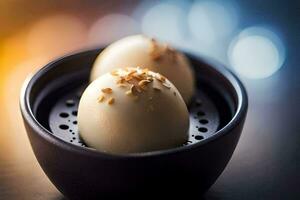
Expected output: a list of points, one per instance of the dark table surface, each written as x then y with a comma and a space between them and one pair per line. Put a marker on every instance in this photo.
265, 164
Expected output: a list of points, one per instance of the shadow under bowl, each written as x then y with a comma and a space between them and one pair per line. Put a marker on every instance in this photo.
49, 103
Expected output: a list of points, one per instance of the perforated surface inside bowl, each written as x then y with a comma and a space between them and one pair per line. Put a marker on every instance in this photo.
204, 118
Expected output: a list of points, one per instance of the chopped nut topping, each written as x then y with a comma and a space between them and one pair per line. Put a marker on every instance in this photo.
155, 51
122, 85
128, 92
114, 73
120, 80
101, 98
131, 73
138, 89
150, 79
158, 51
137, 80
145, 70
128, 78
107, 90
111, 101
162, 78
133, 89
144, 82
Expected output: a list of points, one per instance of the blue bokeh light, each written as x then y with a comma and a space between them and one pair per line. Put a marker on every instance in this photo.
212, 21
256, 53
165, 21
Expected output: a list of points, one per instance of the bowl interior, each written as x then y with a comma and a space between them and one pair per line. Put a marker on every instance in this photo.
56, 89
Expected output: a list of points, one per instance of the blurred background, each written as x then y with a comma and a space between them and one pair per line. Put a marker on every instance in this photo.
258, 40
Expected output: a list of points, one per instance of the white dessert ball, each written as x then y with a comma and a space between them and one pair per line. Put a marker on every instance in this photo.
132, 110
145, 52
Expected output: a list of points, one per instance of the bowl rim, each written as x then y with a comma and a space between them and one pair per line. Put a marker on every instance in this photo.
42, 132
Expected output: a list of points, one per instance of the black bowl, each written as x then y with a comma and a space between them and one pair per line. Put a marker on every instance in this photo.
49, 106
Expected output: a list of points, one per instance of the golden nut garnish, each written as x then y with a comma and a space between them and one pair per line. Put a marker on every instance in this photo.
160, 78
128, 92
122, 85
111, 101
155, 51
158, 51
163, 78
137, 79
144, 82
107, 90
101, 98
114, 73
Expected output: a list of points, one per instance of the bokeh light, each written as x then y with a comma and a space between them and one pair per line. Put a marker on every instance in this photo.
210, 21
256, 53
16, 79
110, 28
165, 21
56, 35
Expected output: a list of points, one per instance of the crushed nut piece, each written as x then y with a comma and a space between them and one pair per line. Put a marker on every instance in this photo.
133, 89
128, 78
162, 78
144, 82
150, 79
114, 73
101, 98
137, 79
155, 51
107, 90
128, 92
111, 101
122, 85
120, 80
158, 51
145, 70
139, 89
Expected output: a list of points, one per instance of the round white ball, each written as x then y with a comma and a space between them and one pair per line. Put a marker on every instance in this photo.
145, 52
114, 120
